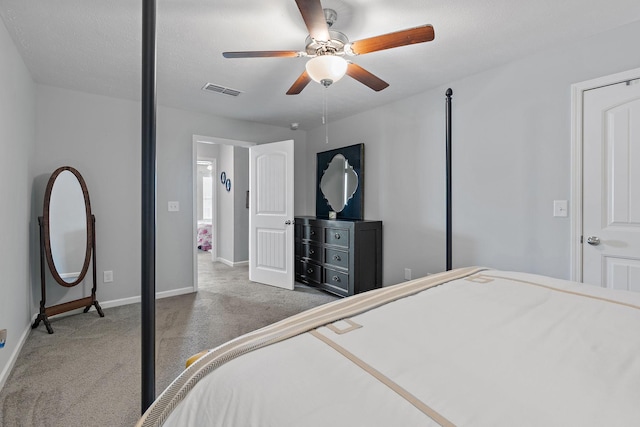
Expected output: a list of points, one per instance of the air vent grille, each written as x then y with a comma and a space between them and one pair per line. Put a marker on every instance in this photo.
221, 89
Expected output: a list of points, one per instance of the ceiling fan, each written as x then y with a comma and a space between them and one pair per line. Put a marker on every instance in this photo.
327, 49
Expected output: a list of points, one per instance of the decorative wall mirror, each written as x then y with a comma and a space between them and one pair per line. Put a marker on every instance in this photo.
340, 179
67, 241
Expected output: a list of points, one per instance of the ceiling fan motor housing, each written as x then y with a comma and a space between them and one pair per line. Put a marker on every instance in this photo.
335, 46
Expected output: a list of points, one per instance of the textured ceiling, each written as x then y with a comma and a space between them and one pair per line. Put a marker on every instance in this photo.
94, 46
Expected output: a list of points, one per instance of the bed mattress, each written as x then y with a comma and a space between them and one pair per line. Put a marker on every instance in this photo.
470, 347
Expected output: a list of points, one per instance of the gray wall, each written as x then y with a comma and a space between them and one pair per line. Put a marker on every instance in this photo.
17, 141
225, 210
239, 188
511, 156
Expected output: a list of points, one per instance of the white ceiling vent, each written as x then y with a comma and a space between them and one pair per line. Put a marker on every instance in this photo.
221, 89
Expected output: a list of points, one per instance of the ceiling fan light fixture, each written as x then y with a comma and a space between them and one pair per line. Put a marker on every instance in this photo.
326, 69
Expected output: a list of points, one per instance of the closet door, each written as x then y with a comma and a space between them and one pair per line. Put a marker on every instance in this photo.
611, 183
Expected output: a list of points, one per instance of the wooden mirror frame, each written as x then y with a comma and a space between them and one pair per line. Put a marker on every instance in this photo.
46, 253
47, 231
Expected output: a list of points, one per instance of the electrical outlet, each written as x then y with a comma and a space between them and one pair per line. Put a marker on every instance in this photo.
108, 276
407, 274
174, 206
3, 337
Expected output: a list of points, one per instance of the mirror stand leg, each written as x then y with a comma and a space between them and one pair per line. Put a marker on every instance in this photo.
43, 314
96, 304
98, 308
42, 317
45, 320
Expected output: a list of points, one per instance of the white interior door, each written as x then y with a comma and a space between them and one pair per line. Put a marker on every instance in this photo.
611, 186
271, 231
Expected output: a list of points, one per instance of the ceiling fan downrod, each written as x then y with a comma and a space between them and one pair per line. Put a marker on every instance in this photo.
330, 16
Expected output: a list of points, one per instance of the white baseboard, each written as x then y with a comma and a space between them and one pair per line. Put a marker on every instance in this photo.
231, 263
106, 304
134, 300
14, 356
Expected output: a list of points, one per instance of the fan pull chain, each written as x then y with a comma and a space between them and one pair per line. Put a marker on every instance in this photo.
325, 111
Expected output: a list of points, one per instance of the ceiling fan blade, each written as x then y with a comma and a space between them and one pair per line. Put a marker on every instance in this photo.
313, 15
366, 78
421, 34
263, 54
299, 84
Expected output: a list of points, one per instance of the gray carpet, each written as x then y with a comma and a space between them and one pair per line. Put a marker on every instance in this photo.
88, 372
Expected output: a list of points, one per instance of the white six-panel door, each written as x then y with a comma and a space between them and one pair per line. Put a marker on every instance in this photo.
271, 231
611, 183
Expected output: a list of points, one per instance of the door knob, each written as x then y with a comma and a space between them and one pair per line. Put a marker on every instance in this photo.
593, 240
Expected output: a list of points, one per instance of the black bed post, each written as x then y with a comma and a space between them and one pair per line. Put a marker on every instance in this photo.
449, 93
148, 235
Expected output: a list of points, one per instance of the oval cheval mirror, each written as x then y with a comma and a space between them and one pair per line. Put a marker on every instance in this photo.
67, 241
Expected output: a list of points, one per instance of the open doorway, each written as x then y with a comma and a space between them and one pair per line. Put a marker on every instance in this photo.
206, 170
220, 220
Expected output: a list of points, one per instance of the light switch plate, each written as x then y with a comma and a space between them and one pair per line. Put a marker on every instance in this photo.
108, 276
174, 206
560, 208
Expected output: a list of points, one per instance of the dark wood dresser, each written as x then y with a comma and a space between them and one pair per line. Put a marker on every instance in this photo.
343, 257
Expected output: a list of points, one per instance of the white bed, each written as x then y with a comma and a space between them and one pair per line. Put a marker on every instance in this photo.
470, 347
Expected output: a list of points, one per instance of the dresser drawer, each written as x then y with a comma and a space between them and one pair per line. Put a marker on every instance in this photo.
336, 279
309, 271
336, 258
312, 252
336, 236
312, 233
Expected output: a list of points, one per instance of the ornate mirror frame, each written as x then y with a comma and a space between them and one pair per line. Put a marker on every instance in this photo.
47, 253
354, 208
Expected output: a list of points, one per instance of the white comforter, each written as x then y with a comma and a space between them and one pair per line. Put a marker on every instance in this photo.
474, 348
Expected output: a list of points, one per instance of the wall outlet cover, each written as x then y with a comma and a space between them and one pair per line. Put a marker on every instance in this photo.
560, 208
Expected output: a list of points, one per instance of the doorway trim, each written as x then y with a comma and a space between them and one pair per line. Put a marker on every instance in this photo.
577, 95
194, 191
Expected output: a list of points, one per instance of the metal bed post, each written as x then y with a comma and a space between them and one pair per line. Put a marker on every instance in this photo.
449, 93
148, 229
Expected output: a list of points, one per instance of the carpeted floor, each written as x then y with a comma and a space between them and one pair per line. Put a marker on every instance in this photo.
88, 372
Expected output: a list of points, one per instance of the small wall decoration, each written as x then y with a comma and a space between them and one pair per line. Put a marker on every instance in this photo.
228, 184
223, 178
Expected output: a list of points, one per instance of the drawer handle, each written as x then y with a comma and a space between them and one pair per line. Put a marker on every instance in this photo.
309, 270
337, 258
335, 278
311, 252
337, 236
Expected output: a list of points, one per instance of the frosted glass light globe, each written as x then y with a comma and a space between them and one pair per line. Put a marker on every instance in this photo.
326, 69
